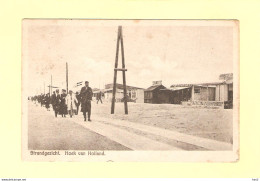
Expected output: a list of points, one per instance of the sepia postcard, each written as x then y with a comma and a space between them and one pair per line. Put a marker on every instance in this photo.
130, 90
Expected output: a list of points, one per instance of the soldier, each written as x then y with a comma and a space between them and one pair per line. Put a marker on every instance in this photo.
86, 97
55, 99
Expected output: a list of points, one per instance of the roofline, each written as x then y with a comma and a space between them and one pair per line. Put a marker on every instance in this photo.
155, 87
127, 86
200, 84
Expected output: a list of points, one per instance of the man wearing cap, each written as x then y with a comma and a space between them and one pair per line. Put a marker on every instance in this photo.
86, 97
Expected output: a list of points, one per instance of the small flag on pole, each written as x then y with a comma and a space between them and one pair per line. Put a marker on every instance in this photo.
78, 84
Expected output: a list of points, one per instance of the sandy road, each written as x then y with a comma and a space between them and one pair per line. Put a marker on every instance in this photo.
45, 132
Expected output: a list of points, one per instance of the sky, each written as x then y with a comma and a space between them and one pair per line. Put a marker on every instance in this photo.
153, 51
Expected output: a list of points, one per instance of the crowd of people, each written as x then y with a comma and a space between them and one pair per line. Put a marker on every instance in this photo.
64, 104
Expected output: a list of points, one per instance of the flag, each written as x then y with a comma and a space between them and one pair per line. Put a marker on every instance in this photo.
78, 84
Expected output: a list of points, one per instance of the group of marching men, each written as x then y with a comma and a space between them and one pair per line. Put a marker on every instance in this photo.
64, 103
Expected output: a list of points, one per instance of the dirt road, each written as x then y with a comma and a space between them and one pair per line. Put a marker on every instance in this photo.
45, 132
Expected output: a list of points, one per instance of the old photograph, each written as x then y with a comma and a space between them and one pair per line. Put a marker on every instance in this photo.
130, 90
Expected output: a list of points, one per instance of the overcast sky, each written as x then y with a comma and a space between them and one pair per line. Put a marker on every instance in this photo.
173, 54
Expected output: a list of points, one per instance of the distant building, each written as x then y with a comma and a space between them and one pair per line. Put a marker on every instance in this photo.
155, 95
134, 94
205, 92
198, 92
224, 91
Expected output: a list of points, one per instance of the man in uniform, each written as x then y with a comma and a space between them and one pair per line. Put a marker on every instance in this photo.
86, 97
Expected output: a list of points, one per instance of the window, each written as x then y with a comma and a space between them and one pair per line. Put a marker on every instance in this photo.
197, 90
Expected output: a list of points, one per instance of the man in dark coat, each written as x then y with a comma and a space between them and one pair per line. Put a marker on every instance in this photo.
52, 98
63, 106
86, 97
55, 100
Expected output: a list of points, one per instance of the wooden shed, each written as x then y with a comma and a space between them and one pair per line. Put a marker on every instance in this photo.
154, 94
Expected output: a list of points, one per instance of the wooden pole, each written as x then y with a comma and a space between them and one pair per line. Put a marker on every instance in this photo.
124, 77
44, 87
67, 81
115, 72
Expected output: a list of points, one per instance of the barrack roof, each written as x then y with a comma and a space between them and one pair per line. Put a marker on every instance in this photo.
153, 87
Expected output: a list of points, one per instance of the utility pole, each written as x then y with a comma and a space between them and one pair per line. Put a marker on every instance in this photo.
119, 40
67, 81
123, 71
44, 87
